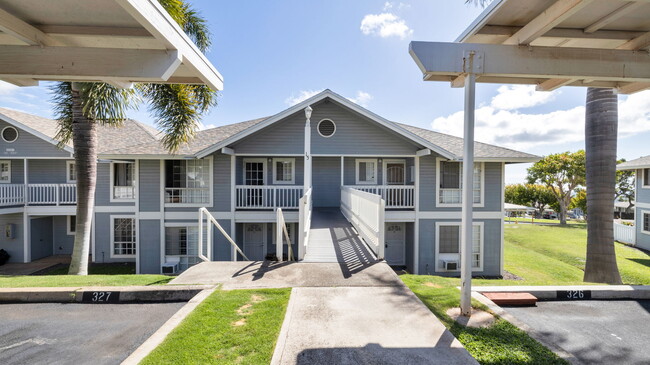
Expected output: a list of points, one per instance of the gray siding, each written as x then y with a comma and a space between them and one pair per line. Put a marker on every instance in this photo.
63, 242
642, 194
642, 239
149, 246
491, 248
46, 171
326, 182
103, 187
41, 237
103, 238
221, 183
28, 145
299, 169
13, 246
355, 134
410, 245
149, 190
17, 171
221, 247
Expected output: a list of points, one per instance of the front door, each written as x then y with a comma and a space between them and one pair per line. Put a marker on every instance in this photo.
254, 241
395, 175
254, 176
395, 244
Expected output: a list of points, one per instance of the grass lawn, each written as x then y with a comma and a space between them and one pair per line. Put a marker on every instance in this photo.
100, 275
541, 221
229, 327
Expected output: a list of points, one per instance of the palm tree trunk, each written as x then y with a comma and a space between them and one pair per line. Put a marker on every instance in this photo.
84, 138
601, 129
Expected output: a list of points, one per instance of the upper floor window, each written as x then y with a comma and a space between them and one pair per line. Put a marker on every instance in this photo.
123, 180
71, 172
284, 171
366, 171
187, 181
450, 177
646, 178
5, 172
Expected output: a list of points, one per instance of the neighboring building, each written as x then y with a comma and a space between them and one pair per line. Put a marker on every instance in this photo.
622, 210
641, 168
147, 200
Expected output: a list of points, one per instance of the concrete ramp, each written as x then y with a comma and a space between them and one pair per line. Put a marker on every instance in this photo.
333, 239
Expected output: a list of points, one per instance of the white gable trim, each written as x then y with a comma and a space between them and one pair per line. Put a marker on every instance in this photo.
341, 100
34, 132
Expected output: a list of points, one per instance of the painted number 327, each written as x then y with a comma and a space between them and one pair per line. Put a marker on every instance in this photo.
101, 296
575, 294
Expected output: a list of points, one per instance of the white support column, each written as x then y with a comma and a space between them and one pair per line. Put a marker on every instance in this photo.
342, 170
278, 234
468, 191
416, 225
307, 183
233, 198
27, 253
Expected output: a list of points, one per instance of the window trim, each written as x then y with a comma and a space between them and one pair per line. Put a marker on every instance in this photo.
8, 162
70, 179
264, 170
358, 161
458, 205
275, 171
437, 264
186, 205
112, 234
644, 184
318, 128
68, 222
2, 133
112, 197
384, 170
643, 213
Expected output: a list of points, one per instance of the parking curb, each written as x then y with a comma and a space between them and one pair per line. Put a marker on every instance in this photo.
574, 292
103, 295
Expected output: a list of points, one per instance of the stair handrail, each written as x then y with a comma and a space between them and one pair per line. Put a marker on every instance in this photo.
304, 222
204, 212
281, 230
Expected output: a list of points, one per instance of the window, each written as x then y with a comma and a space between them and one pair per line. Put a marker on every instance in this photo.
367, 171
187, 181
646, 177
9, 134
283, 171
326, 128
5, 172
450, 177
123, 180
71, 172
646, 222
123, 237
182, 242
72, 225
448, 244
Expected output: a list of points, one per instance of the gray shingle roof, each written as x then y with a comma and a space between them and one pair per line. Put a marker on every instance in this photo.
639, 163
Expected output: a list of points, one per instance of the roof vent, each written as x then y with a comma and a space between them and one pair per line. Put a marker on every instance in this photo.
9, 134
326, 128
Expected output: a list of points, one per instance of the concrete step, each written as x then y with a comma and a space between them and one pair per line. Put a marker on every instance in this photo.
511, 299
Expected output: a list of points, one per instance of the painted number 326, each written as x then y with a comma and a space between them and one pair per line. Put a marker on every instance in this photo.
101, 296
575, 294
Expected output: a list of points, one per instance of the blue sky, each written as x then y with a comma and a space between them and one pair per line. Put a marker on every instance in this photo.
273, 53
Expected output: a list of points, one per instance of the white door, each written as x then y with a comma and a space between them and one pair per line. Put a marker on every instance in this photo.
254, 241
395, 243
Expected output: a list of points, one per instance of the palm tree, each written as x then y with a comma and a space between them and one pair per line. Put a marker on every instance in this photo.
81, 106
601, 130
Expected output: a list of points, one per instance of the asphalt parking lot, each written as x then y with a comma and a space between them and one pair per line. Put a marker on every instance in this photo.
77, 333
594, 331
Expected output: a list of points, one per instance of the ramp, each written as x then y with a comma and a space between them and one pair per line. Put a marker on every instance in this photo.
333, 239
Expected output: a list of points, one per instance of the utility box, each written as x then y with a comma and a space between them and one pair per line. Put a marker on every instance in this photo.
10, 231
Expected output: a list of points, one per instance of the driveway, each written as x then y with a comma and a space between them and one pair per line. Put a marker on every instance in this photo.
594, 331
77, 333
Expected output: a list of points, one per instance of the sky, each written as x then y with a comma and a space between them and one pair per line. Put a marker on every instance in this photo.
274, 54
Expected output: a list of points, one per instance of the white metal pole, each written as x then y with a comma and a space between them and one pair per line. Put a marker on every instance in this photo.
307, 183
468, 193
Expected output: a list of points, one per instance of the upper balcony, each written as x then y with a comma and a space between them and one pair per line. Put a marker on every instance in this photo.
37, 194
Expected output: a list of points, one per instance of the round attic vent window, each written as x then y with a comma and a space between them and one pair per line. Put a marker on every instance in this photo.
326, 128
10, 134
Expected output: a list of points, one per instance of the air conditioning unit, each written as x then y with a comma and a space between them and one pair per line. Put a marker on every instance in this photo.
170, 268
450, 265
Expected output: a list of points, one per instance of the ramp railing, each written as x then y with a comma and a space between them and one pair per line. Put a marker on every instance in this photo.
282, 234
366, 212
304, 223
206, 255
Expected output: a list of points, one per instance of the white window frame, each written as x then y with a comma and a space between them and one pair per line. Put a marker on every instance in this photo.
188, 205
457, 205
275, 171
438, 263
358, 162
70, 179
2, 133
643, 213
385, 170
68, 222
318, 128
112, 197
8, 162
112, 242
644, 184
264, 171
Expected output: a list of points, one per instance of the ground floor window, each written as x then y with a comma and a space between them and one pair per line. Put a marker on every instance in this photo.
72, 224
646, 222
124, 238
181, 245
448, 245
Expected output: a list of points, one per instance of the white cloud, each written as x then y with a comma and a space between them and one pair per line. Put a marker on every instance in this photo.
502, 124
389, 5
385, 25
362, 98
203, 127
511, 97
7, 88
301, 96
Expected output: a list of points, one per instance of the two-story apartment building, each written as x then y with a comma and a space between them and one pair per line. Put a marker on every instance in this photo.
147, 200
641, 168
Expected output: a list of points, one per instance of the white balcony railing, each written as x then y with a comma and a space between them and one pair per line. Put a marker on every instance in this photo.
38, 194
396, 196
12, 194
267, 197
123, 192
187, 195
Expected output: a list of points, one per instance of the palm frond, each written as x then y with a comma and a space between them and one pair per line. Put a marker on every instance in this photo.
190, 21
480, 3
61, 96
106, 104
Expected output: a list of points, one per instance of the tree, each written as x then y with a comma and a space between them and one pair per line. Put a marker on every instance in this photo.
579, 200
536, 196
81, 106
562, 173
625, 185
601, 132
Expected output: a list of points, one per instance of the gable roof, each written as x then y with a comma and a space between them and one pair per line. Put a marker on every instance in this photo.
639, 163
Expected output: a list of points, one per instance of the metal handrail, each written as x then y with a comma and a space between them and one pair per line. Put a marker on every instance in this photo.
203, 211
281, 227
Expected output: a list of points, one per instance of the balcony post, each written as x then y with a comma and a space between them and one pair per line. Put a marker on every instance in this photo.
25, 182
307, 177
